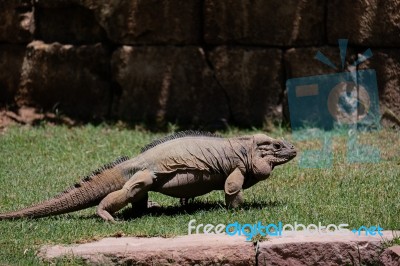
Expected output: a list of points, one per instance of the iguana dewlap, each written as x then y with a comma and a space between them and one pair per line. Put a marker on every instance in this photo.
184, 165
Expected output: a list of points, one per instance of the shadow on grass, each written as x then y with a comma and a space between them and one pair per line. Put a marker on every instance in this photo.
191, 208
130, 213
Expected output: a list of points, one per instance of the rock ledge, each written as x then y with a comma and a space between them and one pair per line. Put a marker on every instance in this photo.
296, 249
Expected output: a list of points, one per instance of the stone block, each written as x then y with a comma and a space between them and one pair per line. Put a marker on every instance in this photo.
16, 21
321, 249
71, 79
125, 22
293, 248
386, 63
167, 84
364, 22
67, 23
301, 62
181, 250
279, 23
253, 82
129, 22
391, 256
151, 21
11, 60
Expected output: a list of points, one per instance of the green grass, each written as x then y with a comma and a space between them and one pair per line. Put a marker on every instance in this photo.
37, 163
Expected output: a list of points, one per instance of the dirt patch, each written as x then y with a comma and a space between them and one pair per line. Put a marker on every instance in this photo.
30, 116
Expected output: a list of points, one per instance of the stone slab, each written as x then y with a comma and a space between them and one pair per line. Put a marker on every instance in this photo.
391, 256
320, 249
294, 249
183, 250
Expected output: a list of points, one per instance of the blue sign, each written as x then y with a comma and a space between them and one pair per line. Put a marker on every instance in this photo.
324, 105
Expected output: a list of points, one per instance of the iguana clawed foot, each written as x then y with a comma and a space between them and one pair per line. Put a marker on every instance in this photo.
137, 208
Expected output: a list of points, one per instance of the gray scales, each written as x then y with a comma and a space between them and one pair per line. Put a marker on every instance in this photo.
183, 165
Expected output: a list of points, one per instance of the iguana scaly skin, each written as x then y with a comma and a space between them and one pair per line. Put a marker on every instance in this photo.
184, 165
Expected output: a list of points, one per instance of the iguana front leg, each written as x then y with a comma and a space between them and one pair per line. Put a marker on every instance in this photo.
133, 191
233, 189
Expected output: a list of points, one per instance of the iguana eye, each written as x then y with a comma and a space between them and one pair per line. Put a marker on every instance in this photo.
277, 146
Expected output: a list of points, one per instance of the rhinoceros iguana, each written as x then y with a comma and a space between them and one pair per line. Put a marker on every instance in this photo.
183, 165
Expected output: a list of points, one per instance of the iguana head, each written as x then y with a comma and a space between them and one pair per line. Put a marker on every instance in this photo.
274, 151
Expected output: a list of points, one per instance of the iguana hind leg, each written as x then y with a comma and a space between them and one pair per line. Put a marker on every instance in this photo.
142, 206
133, 191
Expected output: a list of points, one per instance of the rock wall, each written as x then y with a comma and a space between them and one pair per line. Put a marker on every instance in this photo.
192, 62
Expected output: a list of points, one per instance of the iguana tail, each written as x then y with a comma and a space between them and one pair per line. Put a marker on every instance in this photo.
87, 193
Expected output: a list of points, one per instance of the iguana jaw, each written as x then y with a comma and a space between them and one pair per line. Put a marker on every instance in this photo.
282, 157
283, 154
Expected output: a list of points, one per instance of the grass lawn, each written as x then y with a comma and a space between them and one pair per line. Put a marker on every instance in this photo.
38, 162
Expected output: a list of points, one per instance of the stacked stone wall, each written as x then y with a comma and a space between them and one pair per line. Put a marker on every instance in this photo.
192, 62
